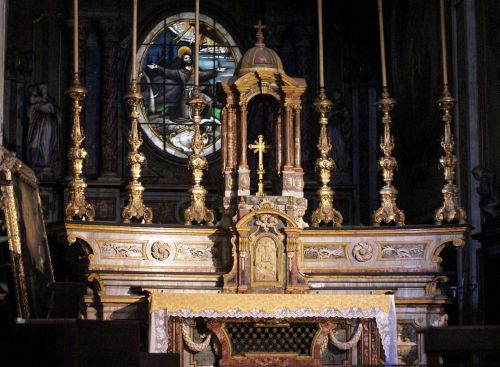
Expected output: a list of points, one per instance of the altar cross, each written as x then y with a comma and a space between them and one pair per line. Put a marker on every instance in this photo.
260, 36
260, 147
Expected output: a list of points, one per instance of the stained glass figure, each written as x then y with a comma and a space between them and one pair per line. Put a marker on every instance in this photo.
166, 78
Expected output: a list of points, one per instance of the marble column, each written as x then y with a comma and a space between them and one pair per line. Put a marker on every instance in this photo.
243, 121
230, 138
288, 137
110, 153
224, 139
243, 171
279, 146
296, 138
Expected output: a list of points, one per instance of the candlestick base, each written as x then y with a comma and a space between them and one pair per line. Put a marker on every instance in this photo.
325, 212
450, 210
135, 210
388, 211
197, 211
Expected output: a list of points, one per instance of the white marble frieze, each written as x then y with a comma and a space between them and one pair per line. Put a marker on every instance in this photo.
121, 249
321, 251
402, 250
149, 249
376, 249
196, 251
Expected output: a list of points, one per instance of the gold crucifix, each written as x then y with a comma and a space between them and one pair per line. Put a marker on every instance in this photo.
260, 147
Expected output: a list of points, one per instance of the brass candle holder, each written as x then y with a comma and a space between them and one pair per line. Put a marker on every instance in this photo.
135, 210
325, 212
388, 211
197, 211
77, 206
450, 210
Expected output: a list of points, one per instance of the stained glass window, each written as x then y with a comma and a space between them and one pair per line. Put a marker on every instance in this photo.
166, 77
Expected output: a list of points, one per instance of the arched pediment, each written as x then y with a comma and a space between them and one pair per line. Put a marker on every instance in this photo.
244, 221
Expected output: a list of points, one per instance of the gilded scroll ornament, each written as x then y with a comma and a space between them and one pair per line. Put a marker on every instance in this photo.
77, 206
266, 221
197, 212
325, 212
431, 288
450, 210
135, 210
388, 211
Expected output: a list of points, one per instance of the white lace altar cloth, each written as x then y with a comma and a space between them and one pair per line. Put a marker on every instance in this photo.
162, 306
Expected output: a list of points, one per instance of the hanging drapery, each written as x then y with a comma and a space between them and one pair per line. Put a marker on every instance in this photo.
162, 306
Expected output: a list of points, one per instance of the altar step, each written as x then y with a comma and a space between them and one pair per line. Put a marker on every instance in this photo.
77, 343
159, 359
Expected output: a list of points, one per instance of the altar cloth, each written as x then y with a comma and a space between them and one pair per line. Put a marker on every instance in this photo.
162, 306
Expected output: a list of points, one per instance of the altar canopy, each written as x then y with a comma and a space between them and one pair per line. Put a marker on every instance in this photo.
381, 308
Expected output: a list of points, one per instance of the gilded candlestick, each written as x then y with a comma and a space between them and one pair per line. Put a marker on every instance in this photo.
135, 210
197, 211
450, 210
388, 211
77, 206
325, 212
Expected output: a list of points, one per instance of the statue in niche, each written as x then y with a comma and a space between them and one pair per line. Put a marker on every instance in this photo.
44, 117
265, 260
340, 133
489, 197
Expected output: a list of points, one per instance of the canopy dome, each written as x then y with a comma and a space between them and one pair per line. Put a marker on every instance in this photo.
259, 57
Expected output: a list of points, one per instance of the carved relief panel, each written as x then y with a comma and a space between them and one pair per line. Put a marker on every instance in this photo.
266, 261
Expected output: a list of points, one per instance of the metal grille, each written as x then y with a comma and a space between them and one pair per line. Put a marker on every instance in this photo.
279, 338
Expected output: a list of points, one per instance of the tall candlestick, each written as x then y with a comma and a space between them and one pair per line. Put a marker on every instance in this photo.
450, 210
443, 43
75, 37
197, 44
134, 42
77, 206
382, 42
320, 38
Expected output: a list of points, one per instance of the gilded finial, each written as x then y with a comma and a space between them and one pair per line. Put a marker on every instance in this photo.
260, 35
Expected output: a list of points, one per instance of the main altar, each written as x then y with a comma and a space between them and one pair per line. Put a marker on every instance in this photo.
260, 284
